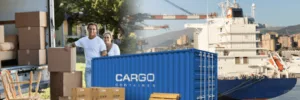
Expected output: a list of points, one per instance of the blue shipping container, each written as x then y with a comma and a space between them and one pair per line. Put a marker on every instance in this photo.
191, 73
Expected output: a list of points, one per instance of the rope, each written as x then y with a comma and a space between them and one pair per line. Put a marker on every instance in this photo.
238, 87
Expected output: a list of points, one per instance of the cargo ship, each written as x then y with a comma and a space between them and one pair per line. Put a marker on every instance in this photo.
245, 69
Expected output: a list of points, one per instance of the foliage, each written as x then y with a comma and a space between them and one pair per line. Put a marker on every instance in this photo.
129, 44
109, 13
104, 12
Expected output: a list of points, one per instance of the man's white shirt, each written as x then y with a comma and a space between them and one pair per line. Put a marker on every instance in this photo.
92, 48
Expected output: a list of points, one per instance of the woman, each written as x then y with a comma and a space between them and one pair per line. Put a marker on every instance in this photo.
112, 48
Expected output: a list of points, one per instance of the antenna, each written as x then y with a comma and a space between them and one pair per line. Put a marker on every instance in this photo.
253, 9
227, 4
206, 10
235, 5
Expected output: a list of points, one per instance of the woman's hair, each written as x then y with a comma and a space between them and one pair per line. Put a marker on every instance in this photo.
108, 33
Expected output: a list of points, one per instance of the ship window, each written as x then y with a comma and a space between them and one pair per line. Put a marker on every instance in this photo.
237, 60
237, 12
245, 60
226, 53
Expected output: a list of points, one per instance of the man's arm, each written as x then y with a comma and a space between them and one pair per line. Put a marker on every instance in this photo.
103, 50
104, 53
73, 44
68, 46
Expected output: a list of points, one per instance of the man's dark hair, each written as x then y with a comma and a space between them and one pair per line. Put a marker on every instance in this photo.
88, 26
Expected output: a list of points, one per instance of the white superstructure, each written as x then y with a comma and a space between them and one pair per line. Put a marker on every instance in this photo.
236, 40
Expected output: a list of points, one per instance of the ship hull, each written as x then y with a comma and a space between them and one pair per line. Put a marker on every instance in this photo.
291, 95
256, 88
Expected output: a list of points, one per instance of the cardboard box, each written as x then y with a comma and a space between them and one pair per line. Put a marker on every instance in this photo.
32, 57
82, 93
61, 60
61, 83
80, 98
31, 19
8, 55
14, 39
101, 93
7, 46
1, 34
118, 92
32, 38
65, 98
118, 99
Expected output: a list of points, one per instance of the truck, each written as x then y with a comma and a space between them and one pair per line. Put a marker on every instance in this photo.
8, 8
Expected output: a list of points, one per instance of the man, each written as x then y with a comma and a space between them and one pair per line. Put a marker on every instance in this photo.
93, 46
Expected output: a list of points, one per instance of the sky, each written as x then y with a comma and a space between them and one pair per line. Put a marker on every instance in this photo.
270, 12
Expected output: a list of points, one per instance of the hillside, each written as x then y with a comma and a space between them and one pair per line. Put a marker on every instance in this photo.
167, 39
283, 30
290, 29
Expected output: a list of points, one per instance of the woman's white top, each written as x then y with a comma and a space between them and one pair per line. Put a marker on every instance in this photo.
115, 50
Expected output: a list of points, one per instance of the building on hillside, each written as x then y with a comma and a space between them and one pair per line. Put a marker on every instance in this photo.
157, 49
285, 41
183, 40
270, 41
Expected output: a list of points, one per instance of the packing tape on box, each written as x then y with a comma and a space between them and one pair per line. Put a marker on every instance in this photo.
104, 90
81, 89
27, 51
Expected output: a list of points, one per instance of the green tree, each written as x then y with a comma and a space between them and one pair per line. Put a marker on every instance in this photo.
109, 13
129, 44
104, 12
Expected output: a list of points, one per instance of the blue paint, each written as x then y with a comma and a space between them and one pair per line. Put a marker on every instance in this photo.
191, 73
265, 89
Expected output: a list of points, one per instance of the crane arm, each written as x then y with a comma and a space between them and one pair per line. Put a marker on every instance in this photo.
179, 7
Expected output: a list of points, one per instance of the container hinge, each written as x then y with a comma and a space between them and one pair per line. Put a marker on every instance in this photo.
201, 98
211, 96
208, 55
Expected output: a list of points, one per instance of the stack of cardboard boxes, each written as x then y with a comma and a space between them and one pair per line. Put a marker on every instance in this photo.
63, 76
66, 83
31, 35
7, 47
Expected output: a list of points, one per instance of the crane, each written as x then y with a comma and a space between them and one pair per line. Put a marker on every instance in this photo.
151, 27
178, 7
139, 17
144, 16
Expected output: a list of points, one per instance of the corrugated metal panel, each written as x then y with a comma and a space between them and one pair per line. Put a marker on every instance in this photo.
191, 73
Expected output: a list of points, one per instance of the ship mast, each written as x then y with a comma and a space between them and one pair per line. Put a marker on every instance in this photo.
253, 9
235, 5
